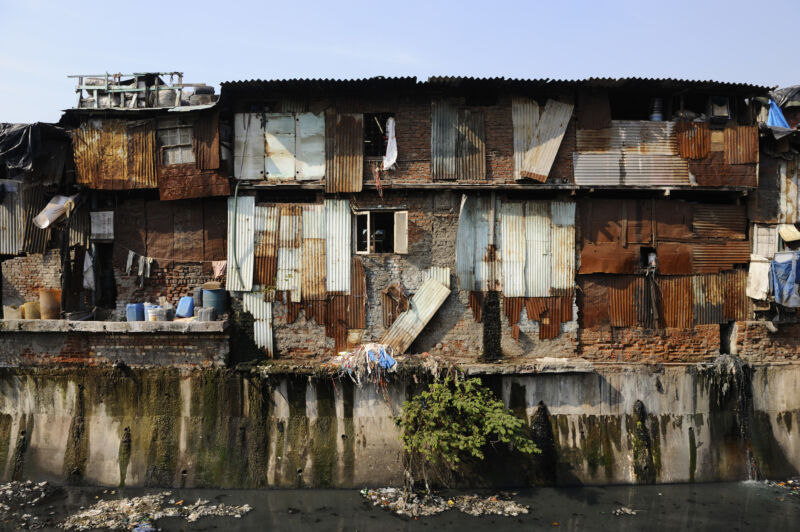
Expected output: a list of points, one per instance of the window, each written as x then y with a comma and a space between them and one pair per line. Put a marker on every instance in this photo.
175, 139
381, 231
375, 137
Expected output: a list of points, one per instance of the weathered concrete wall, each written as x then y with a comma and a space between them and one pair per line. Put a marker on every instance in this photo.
610, 424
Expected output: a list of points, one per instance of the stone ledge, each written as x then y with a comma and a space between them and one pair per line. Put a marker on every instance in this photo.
122, 327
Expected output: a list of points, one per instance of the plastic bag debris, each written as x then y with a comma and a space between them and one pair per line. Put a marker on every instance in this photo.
402, 502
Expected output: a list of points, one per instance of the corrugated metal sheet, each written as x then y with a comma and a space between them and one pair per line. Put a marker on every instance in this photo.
525, 121
444, 131
439, 273
205, 141
720, 221
290, 236
675, 303
708, 296
621, 300
712, 258
562, 245
80, 228
741, 144
538, 274
592, 301
279, 146
142, 155
345, 160
267, 219
313, 258
470, 146
241, 238
512, 217
310, 149
736, 306
338, 246
248, 146
430, 296
765, 240
488, 273
35, 240
549, 133
357, 300
693, 139
630, 137
254, 303
12, 218
788, 201
466, 243
617, 168
393, 303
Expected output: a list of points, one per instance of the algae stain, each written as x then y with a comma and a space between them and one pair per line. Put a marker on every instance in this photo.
644, 469
692, 454
349, 458
18, 460
323, 435
297, 432
77, 451
124, 455
5, 439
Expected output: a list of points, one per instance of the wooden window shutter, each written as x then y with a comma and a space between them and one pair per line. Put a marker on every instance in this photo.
401, 232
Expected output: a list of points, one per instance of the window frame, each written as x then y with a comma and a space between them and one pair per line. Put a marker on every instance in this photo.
180, 127
398, 213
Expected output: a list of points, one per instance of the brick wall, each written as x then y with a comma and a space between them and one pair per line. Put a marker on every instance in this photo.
754, 341
643, 345
24, 276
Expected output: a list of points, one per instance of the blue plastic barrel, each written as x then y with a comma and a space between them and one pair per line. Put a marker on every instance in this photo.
134, 312
217, 299
185, 307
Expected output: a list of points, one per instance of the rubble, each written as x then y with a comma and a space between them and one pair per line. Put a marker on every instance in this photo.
138, 514
412, 504
16, 498
791, 486
624, 510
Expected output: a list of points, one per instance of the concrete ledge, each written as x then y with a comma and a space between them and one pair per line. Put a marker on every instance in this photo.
63, 326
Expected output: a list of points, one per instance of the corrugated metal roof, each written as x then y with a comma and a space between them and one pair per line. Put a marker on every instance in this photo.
741, 144
693, 139
562, 246
290, 236
538, 273
618, 168
444, 131
708, 296
720, 221
525, 121
547, 139
241, 243
630, 136
254, 303
313, 258
345, 161
267, 219
11, 218
338, 246
248, 145
512, 217
422, 306
712, 258
765, 240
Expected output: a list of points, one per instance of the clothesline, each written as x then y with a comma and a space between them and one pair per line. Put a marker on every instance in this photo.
164, 258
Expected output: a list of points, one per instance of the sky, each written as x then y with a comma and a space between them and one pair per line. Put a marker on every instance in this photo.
43, 41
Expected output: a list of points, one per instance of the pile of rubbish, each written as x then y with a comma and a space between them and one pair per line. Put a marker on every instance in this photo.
412, 504
138, 514
624, 510
792, 485
372, 362
17, 497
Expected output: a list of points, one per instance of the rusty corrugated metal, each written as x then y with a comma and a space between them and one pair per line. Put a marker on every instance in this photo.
444, 131
141, 154
608, 258
336, 320
345, 163
645, 300
357, 300
470, 146
254, 303
290, 237
205, 141
693, 139
708, 295
630, 137
633, 169
512, 218
466, 243
12, 218
512, 309
720, 221
562, 245
549, 133
741, 144
592, 302
266, 246
313, 258
35, 240
736, 305
674, 258
80, 228
621, 297
393, 302
241, 243
475, 301
422, 306
550, 323
535, 307
712, 258
338, 245
676, 301
538, 272
765, 240
525, 120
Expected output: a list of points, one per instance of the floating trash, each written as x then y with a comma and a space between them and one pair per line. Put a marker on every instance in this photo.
413, 504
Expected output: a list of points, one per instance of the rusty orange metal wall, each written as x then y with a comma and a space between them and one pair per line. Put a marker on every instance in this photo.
141, 165
676, 302
357, 300
470, 146
720, 221
712, 258
694, 139
345, 158
205, 141
736, 306
741, 144
621, 309
266, 246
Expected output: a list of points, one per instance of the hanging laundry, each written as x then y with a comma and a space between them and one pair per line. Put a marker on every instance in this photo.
391, 146
783, 279
88, 272
758, 278
219, 267
129, 263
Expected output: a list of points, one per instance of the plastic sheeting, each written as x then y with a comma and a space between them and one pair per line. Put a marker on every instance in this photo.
783, 279
775, 117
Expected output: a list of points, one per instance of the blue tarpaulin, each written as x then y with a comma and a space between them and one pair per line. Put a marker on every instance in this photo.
783, 279
775, 117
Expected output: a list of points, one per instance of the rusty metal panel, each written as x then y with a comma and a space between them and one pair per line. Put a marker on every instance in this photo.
597, 168
693, 139
547, 139
708, 296
676, 302
290, 236
713, 258
525, 120
512, 217
741, 144
422, 306
470, 146
313, 257
538, 271
205, 141
674, 258
81, 225
763, 203
488, 239
241, 243
608, 258
713, 171
338, 245
630, 137
254, 303
357, 300
765, 240
673, 220
345, 162
393, 303
12, 218
562, 246
248, 146
310, 138
736, 305
267, 219
621, 296
34, 200
594, 109
720, 221
592, 302
140, 171
444, 132
186, 181
279, 146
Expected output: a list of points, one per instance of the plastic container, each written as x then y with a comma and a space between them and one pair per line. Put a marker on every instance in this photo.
157, 314
149, 309
216, 299
12, 312
30, 311
197, 294
134, 312
206, 314
185, 307
50, 303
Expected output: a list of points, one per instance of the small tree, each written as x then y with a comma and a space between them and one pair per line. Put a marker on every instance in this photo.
455, 420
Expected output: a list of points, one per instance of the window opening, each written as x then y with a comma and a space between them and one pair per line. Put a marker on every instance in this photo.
381, 231
104, 283
175, 139
375, 138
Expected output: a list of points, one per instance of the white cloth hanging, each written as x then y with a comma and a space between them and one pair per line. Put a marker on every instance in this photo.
129, 264
88, 272
391, 146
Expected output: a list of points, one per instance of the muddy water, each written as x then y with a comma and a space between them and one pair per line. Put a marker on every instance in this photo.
723, 507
